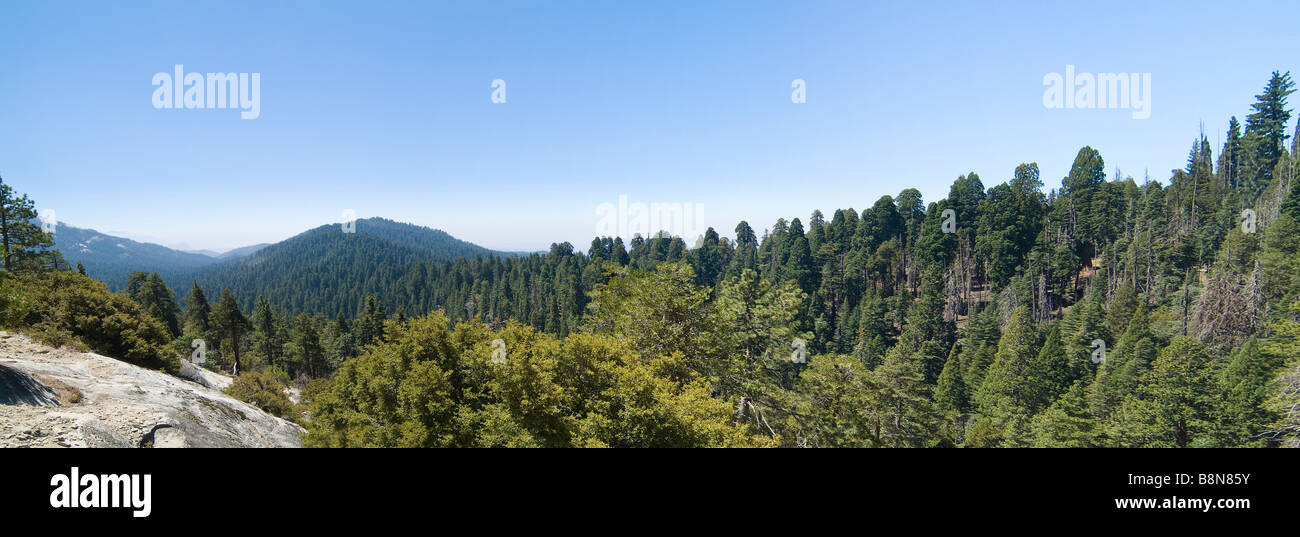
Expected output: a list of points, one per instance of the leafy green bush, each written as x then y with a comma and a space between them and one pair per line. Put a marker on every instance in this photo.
279, 374
314, 389
15, 302
429, 385
263, 391
68, 307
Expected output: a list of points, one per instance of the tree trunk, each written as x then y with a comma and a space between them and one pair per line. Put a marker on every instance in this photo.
4, 228
1150, 259
1187, 299
234, 337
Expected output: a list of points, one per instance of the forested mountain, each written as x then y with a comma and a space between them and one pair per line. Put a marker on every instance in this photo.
111, 259
325, 270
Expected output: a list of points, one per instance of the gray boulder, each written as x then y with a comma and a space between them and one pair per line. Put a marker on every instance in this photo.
60, 397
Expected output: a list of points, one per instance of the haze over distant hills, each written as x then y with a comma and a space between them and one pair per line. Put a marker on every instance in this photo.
337, 267
110, 258
230, 254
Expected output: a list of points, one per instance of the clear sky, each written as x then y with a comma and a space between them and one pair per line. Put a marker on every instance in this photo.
385, 107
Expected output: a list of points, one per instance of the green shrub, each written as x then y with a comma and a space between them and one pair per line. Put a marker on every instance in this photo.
315, 388
68, 307
15, 302
262, 391
278, 374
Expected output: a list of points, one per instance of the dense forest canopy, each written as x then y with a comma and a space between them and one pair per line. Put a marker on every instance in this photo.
1103, 312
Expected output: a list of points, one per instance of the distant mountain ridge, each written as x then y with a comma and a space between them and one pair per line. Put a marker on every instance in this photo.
111, 259
232, 253
242, 251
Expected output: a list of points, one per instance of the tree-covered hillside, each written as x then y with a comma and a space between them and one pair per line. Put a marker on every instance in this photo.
325, 270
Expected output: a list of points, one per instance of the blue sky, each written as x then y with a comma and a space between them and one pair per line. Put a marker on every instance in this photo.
385, 107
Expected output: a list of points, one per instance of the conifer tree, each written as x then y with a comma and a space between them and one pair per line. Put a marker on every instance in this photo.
230, 322
370, 326
197, 311
951, 395
269, 341
1067, 423
155, 298
1050, 371
1177, 404
1009, 387
25, 246
908, 417
1265, 138
309, 356
798, 265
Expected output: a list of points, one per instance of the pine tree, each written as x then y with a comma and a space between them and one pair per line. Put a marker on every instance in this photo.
1230, 157
841, 405
1177, 404
620, 252
26, 247
927, 333
798, 266
1248, 379
1009, 387
1291, 204
1284, 401
230, 322
370, 325
1120, 375
1079, 189
980, 346
746, 256
342, 343
908, 418
759, 316
1265, 139
951, 395
197, 311
269, 341
309, 356
155, 298
1050, 371
1067, 423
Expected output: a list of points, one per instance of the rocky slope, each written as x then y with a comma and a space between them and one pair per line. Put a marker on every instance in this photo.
59, 397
